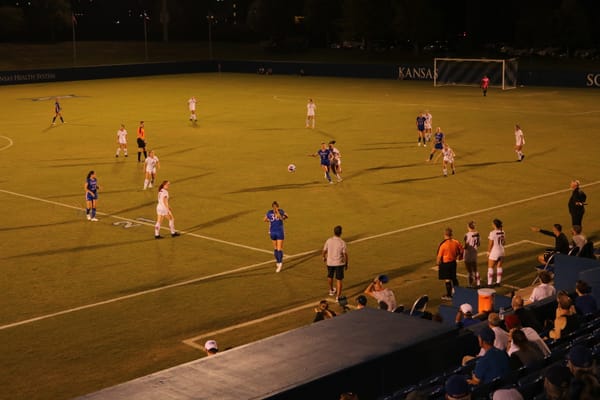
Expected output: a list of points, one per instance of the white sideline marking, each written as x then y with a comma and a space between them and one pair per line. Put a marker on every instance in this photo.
10, 142
68, 311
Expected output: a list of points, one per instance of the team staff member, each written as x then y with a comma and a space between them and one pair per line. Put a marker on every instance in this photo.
91, 196
275, 217
449, 251
576, 204
335, 256
141, 141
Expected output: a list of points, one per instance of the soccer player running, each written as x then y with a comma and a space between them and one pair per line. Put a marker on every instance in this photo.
485, 83
496, 242
275, 217
448, 160
121, 141
472, 242
311, 108
192, 107
519, 142
324, 155
164, 210
151, 164
438, 143
57, 112
421, 129
335, 161
91, 196
141, 141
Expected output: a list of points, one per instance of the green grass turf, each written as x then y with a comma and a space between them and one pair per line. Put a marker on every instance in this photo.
225, 172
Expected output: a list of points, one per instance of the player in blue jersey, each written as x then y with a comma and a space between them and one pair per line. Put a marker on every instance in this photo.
91, 196
57, 112
275, 217
421, 128
324, 154
438, 143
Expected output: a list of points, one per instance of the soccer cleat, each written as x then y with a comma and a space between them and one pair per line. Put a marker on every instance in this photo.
447, 298
89, 217
453, 172
331, 182
522, 157
116, 156
175, 234
157, 237
279, 266
94, 219
339, 179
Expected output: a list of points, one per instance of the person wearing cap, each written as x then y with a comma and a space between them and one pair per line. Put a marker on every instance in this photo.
361, 302
449, 251
585, 383
580, 360
494, 363
472, 242
211, 348
464, 316
457, 388
335, 257
557, 380
382, 294
577, 203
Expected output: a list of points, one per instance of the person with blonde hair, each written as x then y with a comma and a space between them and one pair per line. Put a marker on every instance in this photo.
163, 209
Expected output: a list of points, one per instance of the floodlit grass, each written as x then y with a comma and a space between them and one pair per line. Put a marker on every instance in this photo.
88, 305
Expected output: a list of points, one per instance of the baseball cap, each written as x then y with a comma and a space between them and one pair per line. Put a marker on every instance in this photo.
383, 278
487, 335
558, 375
211, 345
580, 356
466, 308
362, 300
457, 386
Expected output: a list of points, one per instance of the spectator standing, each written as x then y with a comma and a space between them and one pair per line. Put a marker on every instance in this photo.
335, 256
577, 203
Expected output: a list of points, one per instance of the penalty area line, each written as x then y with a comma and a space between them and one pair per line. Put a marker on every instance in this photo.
10, 142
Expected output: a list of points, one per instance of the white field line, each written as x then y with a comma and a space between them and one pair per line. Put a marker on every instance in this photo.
10, 142
42, 317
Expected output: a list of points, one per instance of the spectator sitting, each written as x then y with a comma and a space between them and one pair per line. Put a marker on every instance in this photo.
361, 302
323, 312
348, 396
528, 353
566, 320
380, 293
585, 302
464, 316
557, 380
501, 340
584, 384
211, 348
561, 243
457, 388
513, 322
578, 239
507, 394
580, 361
544, 289
526, 316
493, 364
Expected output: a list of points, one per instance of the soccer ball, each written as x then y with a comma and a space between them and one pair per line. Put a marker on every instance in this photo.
292, 168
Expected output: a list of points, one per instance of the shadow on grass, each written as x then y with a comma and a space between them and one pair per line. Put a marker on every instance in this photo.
277, 187
216, 221
22, 227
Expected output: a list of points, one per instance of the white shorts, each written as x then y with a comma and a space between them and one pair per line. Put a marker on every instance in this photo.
427, 126
496, 255
449, 160
161, 210
122, 141
151, 170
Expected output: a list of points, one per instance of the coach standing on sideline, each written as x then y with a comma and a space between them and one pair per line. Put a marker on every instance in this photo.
576, 204
449, 251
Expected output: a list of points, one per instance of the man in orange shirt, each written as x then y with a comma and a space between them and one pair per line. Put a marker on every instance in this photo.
449, 251
141, 141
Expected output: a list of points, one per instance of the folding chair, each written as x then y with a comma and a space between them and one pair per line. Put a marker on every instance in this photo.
419, 306
549, 266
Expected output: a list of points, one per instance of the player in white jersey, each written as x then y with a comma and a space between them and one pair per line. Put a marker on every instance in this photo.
151, 164
122, 141
192, 107
164, 210
495, 252
311, 108
335, 161
472, 242
519, 142
428, 123
448, 160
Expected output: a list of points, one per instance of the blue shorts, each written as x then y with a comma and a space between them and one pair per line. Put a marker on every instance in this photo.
439, 146
325, 163
90, 197
277, 235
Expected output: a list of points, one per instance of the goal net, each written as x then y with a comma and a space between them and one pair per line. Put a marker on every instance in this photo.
468, 72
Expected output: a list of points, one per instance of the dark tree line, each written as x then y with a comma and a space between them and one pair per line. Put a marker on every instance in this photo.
471, 24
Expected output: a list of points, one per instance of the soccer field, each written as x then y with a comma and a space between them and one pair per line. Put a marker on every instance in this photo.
88, 305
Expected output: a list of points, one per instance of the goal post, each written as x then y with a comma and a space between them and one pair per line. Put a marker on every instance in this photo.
469, 71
